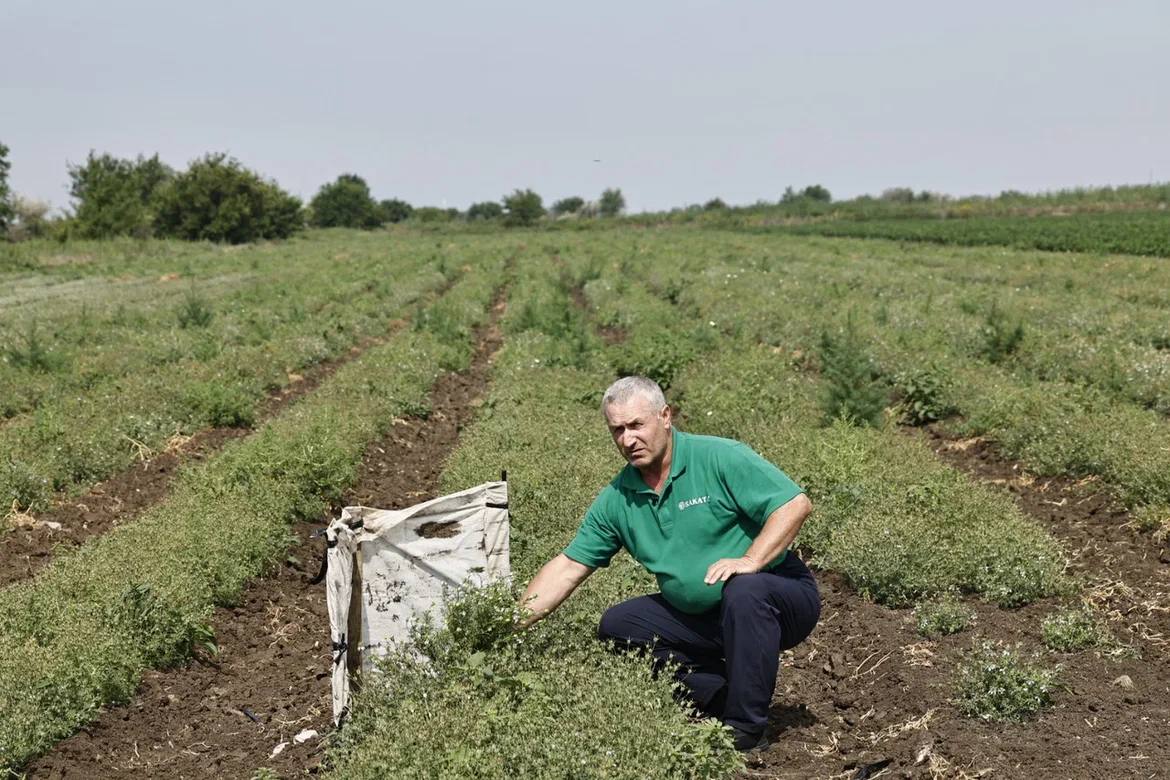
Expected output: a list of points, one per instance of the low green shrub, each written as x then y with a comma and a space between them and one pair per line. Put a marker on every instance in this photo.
1073, 629
194, 312
924, 395
997, 683
1001, 337
853, 390
942, 616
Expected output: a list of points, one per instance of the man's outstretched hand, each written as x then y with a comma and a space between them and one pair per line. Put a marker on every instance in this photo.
724, 568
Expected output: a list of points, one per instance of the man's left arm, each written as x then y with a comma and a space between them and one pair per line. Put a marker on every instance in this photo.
778, 532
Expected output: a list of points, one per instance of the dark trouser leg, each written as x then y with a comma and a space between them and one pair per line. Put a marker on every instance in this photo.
762, 615
693, 641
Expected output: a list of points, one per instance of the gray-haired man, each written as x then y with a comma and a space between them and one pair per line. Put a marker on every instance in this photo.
712, 520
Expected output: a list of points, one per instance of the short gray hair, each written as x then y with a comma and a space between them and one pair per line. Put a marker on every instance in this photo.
627, 387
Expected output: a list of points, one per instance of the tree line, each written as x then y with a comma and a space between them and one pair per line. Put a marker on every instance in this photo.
218, 199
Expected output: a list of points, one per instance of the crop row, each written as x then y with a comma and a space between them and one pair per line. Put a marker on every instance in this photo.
124, 378
908, 310
549, 702
1120, 232
80, 634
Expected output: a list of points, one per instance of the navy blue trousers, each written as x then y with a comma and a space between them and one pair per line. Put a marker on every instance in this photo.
728, 656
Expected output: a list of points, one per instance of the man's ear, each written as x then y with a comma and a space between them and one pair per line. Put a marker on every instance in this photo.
667, 415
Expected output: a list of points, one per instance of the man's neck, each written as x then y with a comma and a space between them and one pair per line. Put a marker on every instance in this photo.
655, 474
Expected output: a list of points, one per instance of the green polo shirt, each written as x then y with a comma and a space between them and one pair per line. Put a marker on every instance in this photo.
714, 503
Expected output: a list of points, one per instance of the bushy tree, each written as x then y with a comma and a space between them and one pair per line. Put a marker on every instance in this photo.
715, 204
345, 203
5, 193
29, 219
116, 196
488, 209
218, 199
570, 205
612, 202
817, 192
522, 208
394, 210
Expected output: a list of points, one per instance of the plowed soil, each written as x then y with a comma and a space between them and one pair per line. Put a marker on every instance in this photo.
226, 715
30, 542
866, 696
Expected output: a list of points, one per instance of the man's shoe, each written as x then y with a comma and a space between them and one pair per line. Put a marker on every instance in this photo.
746, 740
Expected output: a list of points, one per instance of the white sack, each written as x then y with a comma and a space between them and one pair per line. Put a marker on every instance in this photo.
407, 557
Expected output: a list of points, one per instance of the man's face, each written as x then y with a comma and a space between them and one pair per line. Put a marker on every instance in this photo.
641, 432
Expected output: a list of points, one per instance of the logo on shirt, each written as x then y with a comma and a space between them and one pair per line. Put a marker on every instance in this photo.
692, 502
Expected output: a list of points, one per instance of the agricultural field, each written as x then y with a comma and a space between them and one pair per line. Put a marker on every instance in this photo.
984, 432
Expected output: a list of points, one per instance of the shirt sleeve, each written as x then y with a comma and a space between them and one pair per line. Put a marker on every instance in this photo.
596, 542
756, 486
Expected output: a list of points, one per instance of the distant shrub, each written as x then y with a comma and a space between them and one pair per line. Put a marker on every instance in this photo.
1074, 629
853, 387
715, 204
1001, 338
394, 210
942, 616
217, 199
997, 683
898, 195
431, 214
345, 202
117, 197
5, 192
924, 395
29, 219
488, 209
612, 203
570, 205
812, 192
522, 208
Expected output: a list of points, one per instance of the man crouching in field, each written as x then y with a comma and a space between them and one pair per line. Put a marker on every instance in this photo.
712, 520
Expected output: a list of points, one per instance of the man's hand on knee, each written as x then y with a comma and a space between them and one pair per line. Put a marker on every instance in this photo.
725, 568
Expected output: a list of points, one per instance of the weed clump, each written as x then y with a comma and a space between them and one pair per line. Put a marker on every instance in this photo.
1001, 338
942, 616
1074, 629
924, 395
195, 312
853, 387
998, 683
33, 354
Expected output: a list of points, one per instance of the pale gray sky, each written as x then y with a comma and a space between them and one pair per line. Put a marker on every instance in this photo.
455, 102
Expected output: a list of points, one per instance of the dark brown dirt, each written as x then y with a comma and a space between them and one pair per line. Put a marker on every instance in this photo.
222, 716
866, 688
32, 541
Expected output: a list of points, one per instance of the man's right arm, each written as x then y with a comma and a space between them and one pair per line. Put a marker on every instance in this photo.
552, 585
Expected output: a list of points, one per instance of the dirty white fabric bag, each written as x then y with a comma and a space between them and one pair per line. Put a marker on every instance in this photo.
405, 559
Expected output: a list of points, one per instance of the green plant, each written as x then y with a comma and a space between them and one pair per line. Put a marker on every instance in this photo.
570, 205
394, 210
194, 312
853, 387
997, 683
943, 616
5, 192
217, 199
488, 209
345, 202
116, 197
1001, 338
924, 394
1074, 628
32, 353
522, 208
612, 203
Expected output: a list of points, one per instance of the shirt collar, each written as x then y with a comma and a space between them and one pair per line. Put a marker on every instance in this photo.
630, 479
